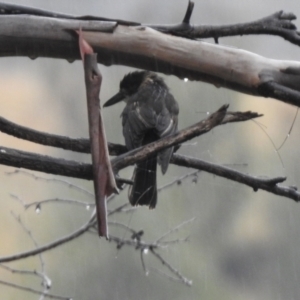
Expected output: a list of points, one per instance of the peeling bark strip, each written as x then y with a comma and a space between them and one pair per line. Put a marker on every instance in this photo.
104, 182
146, 48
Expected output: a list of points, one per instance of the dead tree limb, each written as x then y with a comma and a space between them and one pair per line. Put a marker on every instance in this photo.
28, 160
22, 159
145, 48
81, 145
255, 182
17, 158
279, 24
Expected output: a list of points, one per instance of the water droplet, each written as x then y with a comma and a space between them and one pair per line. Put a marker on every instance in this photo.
48, 283
147, 273
189, 282
207, 112
88, 207
195, 180
185, 79
33, 57
38, 209
145, 251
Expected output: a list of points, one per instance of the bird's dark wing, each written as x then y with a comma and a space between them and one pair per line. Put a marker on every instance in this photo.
135, 125
150, 114
167, 125
140, 116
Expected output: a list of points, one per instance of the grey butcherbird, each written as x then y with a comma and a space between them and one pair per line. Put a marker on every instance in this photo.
151, 112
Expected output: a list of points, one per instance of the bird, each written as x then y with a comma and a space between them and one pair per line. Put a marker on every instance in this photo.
151, 112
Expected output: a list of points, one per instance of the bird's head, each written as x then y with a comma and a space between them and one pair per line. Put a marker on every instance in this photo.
128, 86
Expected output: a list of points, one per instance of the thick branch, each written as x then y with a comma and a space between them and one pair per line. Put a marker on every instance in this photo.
15, 158
146, 48
51, 165
263, 183
279, 23
78, 145
13, 9
46, 164
83, 145
84, 171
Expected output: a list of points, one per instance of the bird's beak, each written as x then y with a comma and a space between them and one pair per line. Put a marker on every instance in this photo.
115, 99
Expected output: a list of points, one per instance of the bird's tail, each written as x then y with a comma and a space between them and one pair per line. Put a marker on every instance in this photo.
144, 191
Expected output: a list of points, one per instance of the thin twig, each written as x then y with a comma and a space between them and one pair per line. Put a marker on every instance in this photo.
27, 289
56, 180
172, 270
51, 245
174, 229
178, 180
46, 281
38, 204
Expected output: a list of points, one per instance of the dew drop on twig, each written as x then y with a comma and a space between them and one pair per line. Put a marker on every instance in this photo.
38, 209
33, 57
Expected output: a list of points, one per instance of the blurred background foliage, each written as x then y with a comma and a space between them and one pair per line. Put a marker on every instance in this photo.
243, 245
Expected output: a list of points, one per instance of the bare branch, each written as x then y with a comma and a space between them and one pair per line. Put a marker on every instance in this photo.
279, 23
47, 164
178, 180
217, 118
172, 269
64, 182
78, 145
13, 9
177, 228
27, 289
267, 184
51, 245
219, 65
46, 282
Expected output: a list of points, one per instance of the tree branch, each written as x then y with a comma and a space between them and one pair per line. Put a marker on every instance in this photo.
219, 65
279, 23
27, 160
33, 291
267, 184
46, 164
217, 118
77, 145
51, 245
84, 171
